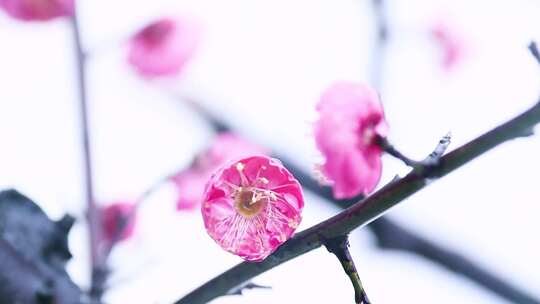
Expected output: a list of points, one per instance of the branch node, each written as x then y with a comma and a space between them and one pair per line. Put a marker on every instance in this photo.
339, 246
435, 156
239, 290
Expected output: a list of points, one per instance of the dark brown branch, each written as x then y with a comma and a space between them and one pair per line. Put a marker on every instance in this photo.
93, 213
387, 147
340, 248
459, 263
391, 236
367, 210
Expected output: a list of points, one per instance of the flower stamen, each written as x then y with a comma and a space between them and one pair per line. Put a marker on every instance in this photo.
249, 202
240, 168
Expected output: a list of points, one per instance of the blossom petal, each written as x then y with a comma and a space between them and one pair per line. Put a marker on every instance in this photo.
350, 118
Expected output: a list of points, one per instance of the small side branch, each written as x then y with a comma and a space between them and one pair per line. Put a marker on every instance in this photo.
424, 166
93, 213
390, 149
340, 248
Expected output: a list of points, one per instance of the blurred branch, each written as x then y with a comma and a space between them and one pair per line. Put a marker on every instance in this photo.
534, 51
367, 210
393, 237
93, 213
340, 248
379, 45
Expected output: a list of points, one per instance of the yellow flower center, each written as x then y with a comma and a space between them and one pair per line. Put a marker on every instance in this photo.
250, 201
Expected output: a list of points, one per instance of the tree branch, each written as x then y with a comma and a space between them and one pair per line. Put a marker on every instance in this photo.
340, 248
392, 236
93, 213
502, 288
365, 211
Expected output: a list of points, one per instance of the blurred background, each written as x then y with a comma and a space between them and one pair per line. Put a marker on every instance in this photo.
262, 66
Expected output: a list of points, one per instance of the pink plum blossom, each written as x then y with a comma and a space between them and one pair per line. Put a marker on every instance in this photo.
225, 147
450, 42
37, 10
351, 117
164, 47
251, 206
112, 216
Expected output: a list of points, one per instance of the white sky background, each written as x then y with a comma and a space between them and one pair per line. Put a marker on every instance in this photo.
262, 65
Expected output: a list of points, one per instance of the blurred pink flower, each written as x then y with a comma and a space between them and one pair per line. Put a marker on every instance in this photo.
252, 206
37, 10
450, 42
225, 147
163, 47
351, 117
112, 216
190, 186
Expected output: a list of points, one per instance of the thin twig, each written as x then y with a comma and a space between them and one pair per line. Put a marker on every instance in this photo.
431, 160
340, 248
365, 211
387, 147
218, 126
93, 212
